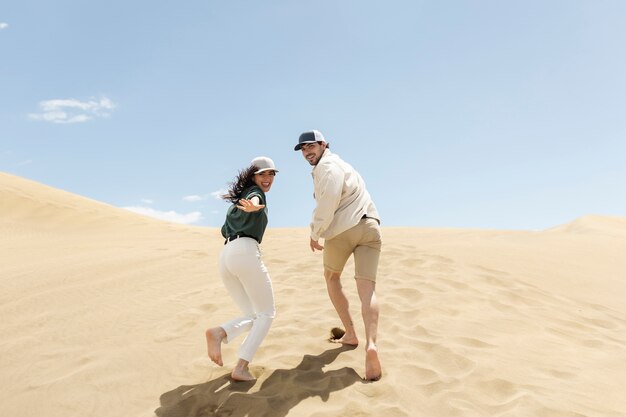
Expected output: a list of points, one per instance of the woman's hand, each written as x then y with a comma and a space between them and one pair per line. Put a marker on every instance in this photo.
250, 206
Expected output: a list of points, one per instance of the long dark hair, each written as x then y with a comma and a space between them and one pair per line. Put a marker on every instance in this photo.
243, 180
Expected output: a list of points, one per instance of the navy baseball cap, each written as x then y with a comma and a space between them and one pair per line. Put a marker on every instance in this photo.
311, 136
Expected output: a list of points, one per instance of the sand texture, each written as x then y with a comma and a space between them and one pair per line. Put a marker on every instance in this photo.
103, 313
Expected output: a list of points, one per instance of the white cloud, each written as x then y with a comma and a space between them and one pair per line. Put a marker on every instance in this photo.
194, 198
3, 25
26, 162
170, 216
72, 111
218, 194
147, 201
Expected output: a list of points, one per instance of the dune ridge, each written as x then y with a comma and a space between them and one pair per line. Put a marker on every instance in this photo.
103, 313
593, 224
29, 204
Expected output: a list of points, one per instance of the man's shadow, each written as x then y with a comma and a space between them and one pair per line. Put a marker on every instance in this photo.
278, 394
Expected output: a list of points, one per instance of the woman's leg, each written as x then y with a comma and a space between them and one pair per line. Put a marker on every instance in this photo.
249, 284
257, 284
230, 330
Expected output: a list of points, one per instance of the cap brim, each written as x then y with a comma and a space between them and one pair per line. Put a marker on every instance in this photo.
265, 169
299, 145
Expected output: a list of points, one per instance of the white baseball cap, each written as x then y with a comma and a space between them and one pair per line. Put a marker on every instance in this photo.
263, 163
311, 136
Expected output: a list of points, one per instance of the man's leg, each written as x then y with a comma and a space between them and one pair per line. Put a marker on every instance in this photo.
366, 257
342, 306
369, 310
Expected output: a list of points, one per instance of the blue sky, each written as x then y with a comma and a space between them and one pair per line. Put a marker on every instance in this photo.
488, 114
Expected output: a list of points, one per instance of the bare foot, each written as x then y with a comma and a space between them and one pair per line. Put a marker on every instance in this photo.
352, 341
338, 335
373, 370
214, 337
241, 374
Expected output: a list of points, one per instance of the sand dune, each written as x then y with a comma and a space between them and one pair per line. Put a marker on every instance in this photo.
103, 314
603, 225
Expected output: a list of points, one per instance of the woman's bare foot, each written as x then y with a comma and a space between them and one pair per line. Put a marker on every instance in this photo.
241, 375
241, 372
373, 370
214, 337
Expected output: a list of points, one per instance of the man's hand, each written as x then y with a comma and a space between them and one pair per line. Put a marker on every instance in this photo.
250, 206
315, 245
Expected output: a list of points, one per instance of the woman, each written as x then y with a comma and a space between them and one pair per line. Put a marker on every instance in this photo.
242, 269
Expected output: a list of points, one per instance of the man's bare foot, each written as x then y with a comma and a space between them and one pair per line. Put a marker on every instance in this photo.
214, 337
352, 341
338, 335
373, 370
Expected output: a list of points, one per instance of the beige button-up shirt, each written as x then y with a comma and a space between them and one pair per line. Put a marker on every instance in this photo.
341, 197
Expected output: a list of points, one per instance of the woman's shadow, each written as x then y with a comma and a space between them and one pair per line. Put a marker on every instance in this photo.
278, 394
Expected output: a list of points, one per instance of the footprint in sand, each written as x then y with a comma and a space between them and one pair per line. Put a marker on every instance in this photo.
474, 343
445, 361
180, 325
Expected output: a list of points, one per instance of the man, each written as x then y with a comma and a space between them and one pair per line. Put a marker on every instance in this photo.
346, 218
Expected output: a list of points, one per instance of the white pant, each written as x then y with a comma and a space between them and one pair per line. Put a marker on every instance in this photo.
249, 284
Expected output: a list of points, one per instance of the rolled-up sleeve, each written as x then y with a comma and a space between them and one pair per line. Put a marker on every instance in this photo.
328, 188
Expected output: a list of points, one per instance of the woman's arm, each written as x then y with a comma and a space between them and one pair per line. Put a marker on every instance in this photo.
250, 206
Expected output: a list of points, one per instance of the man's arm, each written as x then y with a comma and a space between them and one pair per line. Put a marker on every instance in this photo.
327, 196
314, 244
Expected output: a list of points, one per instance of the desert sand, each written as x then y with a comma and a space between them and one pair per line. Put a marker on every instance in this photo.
103, 313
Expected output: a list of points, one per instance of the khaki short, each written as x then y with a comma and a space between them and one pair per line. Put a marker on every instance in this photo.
364, 240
